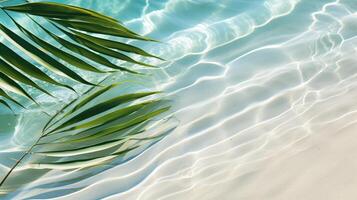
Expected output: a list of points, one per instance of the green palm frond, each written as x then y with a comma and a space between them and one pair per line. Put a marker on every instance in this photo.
96, 127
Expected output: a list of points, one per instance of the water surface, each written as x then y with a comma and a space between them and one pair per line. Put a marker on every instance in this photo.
265, 93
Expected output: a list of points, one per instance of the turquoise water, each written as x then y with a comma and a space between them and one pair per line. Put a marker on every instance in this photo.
264, 92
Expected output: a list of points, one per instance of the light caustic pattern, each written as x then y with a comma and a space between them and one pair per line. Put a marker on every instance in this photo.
265, 92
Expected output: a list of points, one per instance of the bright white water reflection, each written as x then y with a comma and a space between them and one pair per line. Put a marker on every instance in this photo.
265, 92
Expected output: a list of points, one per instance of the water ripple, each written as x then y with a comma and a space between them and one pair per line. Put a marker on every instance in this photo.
255, 87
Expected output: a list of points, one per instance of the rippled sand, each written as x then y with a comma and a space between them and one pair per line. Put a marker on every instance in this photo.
265, 93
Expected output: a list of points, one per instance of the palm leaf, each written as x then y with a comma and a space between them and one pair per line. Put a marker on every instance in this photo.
87, 131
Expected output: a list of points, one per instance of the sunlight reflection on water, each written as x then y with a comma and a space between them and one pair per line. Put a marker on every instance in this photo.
253, 82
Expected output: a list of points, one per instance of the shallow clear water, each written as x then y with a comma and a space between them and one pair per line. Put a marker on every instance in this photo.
265, 93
